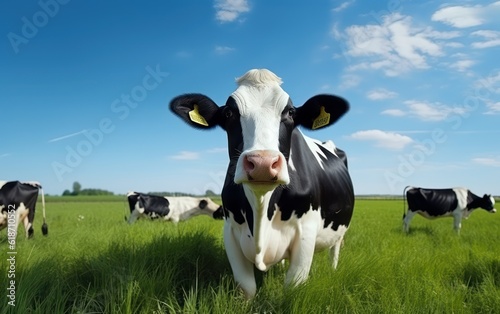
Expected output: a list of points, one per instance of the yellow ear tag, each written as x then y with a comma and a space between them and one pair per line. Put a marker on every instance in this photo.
322, 120
196, 117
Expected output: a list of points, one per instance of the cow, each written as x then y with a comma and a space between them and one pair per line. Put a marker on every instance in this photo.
285, 195
434, 203
173, 208
18, 203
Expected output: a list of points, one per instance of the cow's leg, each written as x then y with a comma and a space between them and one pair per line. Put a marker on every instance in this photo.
242, 268
28, 226
134, 215
335, 252
301, 257
457, 222
406, 220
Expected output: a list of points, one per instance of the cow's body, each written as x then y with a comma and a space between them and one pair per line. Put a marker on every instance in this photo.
434, 203
285, 195
18, 203
172, 208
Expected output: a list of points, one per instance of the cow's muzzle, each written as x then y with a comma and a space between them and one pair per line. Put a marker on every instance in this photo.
262, 167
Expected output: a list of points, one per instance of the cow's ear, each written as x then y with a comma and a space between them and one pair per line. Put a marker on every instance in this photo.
321, 111
196, 109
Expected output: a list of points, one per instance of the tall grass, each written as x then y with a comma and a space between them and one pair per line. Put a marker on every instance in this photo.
93, 262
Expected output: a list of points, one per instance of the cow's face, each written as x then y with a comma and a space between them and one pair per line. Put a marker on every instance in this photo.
488, 203
259, 118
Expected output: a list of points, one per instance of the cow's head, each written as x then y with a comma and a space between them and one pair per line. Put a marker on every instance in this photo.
488, 203
259, 118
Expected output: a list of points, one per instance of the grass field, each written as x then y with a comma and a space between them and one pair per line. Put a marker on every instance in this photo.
93, 262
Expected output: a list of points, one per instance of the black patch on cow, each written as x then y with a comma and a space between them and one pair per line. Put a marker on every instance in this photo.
154, 206
219, 213
435, 202
474, 201
313, 187
13, 193
203, 204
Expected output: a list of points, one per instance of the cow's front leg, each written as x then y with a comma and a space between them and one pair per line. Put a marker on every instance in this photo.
243, 270
457, 222
406, 220
301, 256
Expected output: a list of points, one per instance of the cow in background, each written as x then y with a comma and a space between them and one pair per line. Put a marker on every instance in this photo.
173, 208
18, 203
434, 203
285, 195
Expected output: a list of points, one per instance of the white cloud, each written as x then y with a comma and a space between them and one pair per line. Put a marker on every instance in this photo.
462, 65
349, 81
431, 112
230, 10
491, 83
390, 140
490, 39
486, 161
425, 111
380, 94
186, 155
395, 46
394, 112
493, 108
343, 6
221, 50
467, 15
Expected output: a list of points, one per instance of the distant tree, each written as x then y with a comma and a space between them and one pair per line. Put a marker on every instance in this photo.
66, 193
210, 193
77, 187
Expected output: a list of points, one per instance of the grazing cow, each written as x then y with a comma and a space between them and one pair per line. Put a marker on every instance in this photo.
173, 208
435, 203
17, 203
285, 195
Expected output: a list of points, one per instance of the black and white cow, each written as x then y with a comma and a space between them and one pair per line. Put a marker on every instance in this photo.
18, 203
173, 208
434, 203
285, 195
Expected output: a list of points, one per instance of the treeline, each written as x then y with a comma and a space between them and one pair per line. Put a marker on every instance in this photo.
207, 193
77, 190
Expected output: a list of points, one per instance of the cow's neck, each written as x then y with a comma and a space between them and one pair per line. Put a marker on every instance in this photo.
259, 201
473, 201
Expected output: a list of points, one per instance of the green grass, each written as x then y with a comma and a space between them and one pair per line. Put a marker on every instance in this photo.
99, 264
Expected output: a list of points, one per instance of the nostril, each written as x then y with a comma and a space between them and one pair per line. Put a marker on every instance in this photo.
248, 165
276, 164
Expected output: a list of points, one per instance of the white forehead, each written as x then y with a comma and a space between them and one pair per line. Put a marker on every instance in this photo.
259, 92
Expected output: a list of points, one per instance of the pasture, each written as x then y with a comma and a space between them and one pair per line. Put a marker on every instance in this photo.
93, 262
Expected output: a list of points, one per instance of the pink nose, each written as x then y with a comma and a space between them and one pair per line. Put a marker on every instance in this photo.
262, 166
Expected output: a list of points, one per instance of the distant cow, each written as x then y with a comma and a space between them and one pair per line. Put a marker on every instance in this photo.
173, 208
435, 203
18, 203
285, 195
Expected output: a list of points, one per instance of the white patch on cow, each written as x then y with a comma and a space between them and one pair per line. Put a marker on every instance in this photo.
494, 210
184, 208
2, 183
260, 101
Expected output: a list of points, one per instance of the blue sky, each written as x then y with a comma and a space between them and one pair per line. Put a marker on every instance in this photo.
86, 87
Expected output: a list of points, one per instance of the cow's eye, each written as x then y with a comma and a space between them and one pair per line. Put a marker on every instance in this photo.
291, 112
